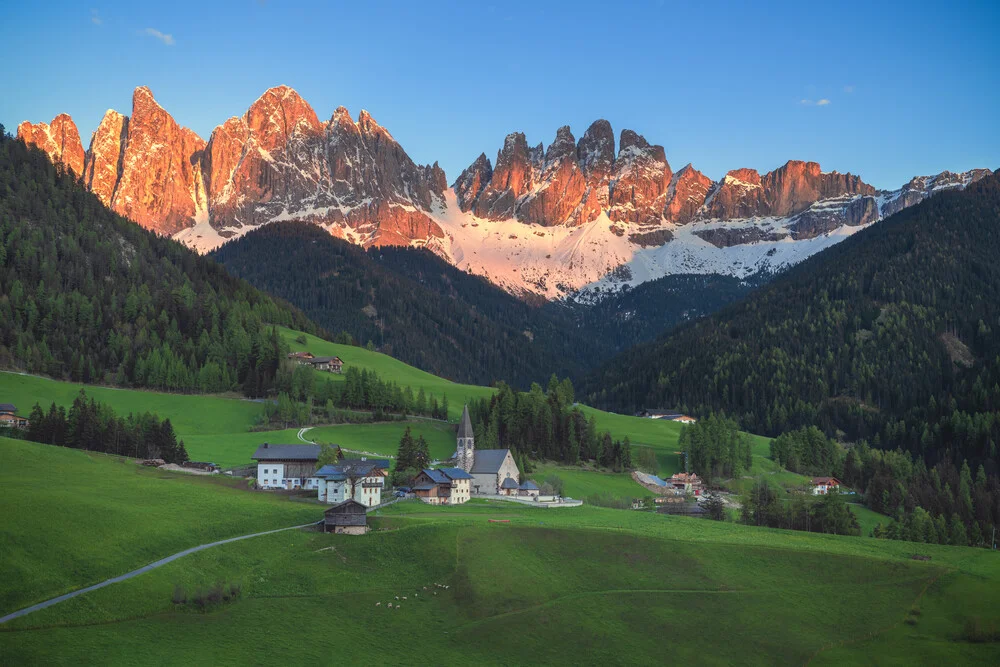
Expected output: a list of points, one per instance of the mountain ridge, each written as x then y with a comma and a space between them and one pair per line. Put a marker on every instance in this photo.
513, 221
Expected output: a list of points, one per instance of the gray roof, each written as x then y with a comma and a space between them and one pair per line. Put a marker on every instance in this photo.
529, 486
331, 472
488, 460
8, 407
437, 476
456, 473
378, 463
269, 452
509, 483
323, 360
465, 426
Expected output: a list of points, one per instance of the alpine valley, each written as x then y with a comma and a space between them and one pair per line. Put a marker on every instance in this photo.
578, 219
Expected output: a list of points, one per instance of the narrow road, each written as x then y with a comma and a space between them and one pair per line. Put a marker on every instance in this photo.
141, 570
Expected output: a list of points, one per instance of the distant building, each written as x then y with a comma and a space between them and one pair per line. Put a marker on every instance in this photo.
329, 364
528, 490
444, 486
348, 518
685, 483
824, 485
669, 415
489, 468
361, 480
301, 357
9, 416
286, 466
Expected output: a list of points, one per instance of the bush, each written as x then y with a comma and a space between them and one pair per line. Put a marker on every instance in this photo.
552, 485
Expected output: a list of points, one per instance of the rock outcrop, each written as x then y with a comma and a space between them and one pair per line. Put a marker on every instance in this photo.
471, 182
639, 181
686, 195
922, 187
161, 185
103, 167
59, 139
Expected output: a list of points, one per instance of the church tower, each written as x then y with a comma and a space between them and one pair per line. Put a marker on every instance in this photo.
465, 454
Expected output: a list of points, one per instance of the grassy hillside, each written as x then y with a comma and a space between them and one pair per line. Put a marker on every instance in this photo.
587, 586
74, 518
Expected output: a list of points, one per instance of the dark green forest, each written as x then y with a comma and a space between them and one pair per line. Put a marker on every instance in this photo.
410, 304
892, 336
87, 295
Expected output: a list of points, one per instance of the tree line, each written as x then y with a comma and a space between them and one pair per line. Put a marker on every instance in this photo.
95, 427
91, 297
545, 425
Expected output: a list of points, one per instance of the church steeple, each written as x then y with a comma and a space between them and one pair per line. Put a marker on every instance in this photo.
465, 454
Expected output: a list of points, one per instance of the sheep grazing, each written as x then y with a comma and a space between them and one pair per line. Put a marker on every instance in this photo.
404, 597
397, 597
378, 604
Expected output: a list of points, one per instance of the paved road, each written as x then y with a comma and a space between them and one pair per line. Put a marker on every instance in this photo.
141, 570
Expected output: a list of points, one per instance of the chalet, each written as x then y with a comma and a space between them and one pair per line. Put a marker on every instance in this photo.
347, 518
444, 486
361, 480
10, 418
286, 466
669, 415
824, 485
686, 484
490, 468
328, 364
300, 357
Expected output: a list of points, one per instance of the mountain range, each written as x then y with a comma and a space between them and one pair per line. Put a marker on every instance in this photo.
580, 218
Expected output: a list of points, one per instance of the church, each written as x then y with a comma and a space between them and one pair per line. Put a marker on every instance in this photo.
489, 467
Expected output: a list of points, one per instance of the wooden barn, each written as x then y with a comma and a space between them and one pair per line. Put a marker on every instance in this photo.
349, 518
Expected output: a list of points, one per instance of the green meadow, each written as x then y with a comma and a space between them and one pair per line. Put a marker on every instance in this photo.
581, 586
73, 518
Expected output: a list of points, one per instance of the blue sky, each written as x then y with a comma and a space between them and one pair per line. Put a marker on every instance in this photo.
885, 90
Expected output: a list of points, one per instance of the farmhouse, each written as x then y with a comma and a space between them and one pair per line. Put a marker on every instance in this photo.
301, 357
824, 485
329, 364
9, 416
286, 466
489, 467
685, 483
669, 415
444, 486
348, 518
361, 480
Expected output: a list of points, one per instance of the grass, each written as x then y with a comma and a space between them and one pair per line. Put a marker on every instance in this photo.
188, 413
581, 482
581, 586
384, 438
74, 518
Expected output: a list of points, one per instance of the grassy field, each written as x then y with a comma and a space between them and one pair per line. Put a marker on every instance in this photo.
580, 586
581, 482
73, 518
384, 438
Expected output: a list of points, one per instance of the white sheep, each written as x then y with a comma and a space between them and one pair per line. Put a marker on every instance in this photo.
378, 604
404, 597
397, 597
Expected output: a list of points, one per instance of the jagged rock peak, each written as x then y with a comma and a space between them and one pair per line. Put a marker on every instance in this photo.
686, 194
60, 140
596, 150
102, 168
562, 147
471, 182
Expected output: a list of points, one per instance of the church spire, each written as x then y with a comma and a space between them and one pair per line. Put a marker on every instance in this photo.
465, 426
465, 454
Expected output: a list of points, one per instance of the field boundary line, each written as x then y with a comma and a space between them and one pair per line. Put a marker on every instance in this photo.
142, 570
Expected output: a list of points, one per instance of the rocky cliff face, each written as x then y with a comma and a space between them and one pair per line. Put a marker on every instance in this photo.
277, 161
59, 139
922, 187
686, 195
103, 166
161, 185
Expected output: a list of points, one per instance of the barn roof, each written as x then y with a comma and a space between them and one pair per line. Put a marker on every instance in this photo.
269, 452
488, 460
465, 426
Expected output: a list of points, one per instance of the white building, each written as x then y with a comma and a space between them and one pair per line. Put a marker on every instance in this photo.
361, 480
286, 466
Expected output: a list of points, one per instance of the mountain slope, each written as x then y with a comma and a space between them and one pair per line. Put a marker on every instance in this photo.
87, 295
892, 335
412, 305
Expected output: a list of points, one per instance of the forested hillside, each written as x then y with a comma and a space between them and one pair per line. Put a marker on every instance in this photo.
892, 336
412, 305
87, 295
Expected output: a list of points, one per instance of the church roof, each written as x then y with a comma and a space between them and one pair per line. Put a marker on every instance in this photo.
488, 460
465, 426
